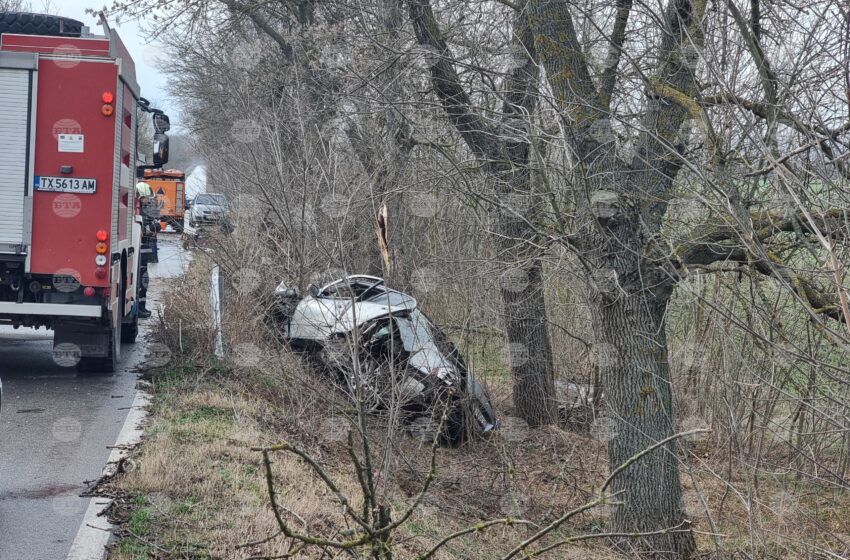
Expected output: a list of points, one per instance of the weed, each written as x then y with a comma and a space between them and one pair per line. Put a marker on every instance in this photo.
132, 549
140, 521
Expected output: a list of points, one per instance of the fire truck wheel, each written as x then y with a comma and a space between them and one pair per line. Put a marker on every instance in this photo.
39, 24
108, 364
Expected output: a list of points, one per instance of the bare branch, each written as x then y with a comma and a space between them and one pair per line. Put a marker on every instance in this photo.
615, 48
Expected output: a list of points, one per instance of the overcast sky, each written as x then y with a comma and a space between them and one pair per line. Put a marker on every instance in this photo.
145, 54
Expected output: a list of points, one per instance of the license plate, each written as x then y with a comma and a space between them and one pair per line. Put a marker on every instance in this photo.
66, 184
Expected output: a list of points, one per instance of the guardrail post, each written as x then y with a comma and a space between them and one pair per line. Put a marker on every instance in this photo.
216, 299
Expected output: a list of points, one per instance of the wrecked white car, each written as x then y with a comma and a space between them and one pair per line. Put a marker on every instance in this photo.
387, 353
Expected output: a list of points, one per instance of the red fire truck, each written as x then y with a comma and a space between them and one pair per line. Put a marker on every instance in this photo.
69, 230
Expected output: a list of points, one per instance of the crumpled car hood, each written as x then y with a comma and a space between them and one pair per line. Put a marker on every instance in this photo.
318, 318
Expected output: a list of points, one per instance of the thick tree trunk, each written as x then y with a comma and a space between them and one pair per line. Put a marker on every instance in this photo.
628, 300
521, 288
622, 206
529, 350
504, 148
636, 377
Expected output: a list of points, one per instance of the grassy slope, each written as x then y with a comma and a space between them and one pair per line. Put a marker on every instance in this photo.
195, 489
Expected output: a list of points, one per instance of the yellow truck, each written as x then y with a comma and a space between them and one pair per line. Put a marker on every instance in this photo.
169, 186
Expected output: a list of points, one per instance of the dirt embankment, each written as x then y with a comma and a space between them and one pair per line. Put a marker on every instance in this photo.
196, 488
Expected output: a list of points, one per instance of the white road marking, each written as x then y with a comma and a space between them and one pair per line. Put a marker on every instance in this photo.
95, 530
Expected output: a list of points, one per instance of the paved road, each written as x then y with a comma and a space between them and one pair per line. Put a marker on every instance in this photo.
55, 429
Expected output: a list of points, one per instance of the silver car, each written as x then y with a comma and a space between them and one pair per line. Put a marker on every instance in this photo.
387, 353
208, 208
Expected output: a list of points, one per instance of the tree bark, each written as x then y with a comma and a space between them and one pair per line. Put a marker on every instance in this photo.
636, 377
526, 325
621, 206
505, 155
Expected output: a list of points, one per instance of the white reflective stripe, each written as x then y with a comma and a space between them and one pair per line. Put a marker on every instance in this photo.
57, 309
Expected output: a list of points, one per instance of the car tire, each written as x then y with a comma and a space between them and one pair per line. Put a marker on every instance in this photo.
39, 24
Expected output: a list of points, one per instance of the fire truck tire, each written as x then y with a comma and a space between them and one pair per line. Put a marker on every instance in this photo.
109, 364
39, 24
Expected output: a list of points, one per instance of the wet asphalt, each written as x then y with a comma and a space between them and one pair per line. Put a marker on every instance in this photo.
56, 428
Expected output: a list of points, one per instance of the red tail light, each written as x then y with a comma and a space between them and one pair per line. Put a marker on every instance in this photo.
108, 97
88, 291
102, 235
100, 272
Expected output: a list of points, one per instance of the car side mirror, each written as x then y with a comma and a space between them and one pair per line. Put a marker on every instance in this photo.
314, 290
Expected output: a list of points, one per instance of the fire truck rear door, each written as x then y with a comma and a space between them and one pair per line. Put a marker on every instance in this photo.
18, 73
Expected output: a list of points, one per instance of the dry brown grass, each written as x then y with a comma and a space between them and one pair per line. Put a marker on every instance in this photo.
202, 481
203, 486
195, 489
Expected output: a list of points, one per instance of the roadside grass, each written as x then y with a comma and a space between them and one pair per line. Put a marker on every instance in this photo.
133, 550
195, 489
198, 490
140, 522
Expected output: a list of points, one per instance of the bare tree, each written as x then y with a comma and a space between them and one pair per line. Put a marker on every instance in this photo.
504, 150
621, 207
681, 168
14, 6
